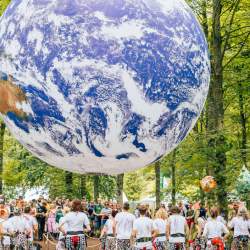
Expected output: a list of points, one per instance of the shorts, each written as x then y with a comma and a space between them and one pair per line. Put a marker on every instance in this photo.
20, 241
75, 242
240, 242
110, 243
201, 243
123, 244
160, 245
177, 246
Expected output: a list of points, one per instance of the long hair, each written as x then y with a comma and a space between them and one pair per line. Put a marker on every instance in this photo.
161, 214
242, 212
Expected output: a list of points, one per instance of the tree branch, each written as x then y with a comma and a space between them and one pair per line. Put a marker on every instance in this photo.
238, 52
228, 33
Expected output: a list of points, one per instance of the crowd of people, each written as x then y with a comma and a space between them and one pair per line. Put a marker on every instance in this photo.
118, 227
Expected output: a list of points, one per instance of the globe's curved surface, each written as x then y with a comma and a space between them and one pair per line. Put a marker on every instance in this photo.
101, 86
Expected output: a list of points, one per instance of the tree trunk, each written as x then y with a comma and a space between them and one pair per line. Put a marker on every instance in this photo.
120, 188
216, 138
173, 175
158, 183
69, 184
96, 187
2, 132
83, 189
243, 122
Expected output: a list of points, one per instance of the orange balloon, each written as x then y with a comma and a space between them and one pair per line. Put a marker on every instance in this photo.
208, 183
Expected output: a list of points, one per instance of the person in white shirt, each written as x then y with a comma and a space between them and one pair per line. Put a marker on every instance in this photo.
143, 230
160, 229
31, 222
241, 226
76, 223
177, 229
109, 232
5, 231
123, 227
214, 231
19, 229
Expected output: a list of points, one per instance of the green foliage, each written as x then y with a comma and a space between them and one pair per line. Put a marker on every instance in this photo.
243, 185
133, 186
3, 5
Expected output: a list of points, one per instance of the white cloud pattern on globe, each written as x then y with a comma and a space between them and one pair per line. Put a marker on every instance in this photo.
101, 86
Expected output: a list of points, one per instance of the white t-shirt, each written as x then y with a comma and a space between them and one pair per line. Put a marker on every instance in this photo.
214, 228
6, 227
124, 225
144, 228
177, 226
201, 223
75, 221
18, 224
31, 222
109, 226
240, 226
160, 225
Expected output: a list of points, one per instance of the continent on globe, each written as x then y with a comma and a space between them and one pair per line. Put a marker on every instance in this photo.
101, 86
11, 95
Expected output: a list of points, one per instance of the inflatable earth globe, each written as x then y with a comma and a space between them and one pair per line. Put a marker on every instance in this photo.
99, 86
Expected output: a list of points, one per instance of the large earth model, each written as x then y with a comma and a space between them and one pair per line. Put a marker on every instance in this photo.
101, 86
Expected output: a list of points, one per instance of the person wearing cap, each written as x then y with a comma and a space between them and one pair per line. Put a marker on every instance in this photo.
177, 229
124, 226
143, 230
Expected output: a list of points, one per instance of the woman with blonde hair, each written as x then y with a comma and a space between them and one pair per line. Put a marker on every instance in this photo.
241, 226
160, 228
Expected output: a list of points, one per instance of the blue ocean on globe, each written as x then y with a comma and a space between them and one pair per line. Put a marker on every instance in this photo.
99, 86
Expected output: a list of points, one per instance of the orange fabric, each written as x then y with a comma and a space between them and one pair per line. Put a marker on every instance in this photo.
218, 242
